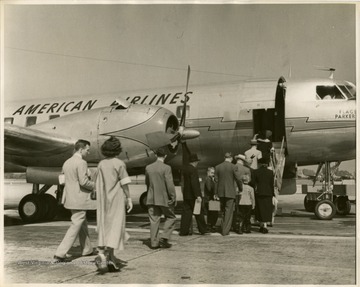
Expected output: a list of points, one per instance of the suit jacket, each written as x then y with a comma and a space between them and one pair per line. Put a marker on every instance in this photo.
191, 183
242, 170
264, 181
78, 185
225, 178
160, 184
209, 188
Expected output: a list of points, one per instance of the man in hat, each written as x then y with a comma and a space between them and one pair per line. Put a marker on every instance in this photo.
252, 155
225, 178
161, 200
191, 193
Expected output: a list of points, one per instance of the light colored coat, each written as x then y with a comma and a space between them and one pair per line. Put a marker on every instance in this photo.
111, 218
247, 196
78, 185
160, 183
252, 155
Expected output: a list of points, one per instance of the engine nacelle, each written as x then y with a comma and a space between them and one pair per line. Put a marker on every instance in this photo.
43, 175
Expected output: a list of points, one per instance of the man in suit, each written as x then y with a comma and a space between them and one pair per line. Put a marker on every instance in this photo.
191, 193
76, 197
161, 199
225, 179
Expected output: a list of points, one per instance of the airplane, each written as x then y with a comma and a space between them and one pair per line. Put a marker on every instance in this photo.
312, 122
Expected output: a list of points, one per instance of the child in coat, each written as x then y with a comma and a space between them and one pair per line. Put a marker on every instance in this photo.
246, 204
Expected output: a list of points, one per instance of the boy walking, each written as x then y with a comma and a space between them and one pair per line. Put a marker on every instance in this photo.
246, 204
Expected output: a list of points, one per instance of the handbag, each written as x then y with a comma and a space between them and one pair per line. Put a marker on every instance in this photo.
214, 205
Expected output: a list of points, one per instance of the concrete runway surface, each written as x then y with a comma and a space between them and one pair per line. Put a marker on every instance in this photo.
299, 249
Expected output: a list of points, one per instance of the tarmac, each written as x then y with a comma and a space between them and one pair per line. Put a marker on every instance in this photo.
299, 249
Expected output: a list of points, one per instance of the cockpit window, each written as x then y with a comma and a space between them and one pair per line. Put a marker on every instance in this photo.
329, 93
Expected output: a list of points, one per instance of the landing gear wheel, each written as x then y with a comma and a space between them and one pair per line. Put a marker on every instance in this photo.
31, 209
342, 205
142, 200
309, 204
325, 209
51, 206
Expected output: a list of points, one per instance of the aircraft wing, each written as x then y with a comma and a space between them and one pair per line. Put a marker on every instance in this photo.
22, 141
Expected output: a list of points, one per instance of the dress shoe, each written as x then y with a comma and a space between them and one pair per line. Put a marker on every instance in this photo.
101, 263
247, 231
58, 259
265, 230
184, 234
164, 243
155, 247
95, 252
112, 266
122, 262
239, 232
261, 229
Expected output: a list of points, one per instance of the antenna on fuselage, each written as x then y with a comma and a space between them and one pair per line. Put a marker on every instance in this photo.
331, 70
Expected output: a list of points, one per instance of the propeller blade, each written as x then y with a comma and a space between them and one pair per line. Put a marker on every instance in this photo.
183, 114
185, 153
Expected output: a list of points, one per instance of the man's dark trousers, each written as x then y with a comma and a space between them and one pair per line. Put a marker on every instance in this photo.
186, 217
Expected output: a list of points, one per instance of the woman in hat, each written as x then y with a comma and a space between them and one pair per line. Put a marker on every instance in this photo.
112, 196
264, 191
265, 144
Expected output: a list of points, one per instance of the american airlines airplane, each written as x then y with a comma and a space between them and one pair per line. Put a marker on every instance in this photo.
312, 122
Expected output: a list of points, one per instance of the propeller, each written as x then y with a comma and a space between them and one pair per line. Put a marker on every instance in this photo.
161, 139
185, 149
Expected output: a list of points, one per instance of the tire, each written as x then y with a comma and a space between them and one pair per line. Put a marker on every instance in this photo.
309, 204
142, 200
342, 205
325, 210
31, 208
51, 206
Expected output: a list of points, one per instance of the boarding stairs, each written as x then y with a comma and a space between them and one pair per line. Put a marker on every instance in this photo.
277, 163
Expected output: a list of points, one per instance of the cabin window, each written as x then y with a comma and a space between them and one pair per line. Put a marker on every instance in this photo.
348, 91
53, 117
30, 121
8, 121
329, 93
179, 110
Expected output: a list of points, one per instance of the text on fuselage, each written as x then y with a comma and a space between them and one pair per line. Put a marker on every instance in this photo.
346, 114
55, 107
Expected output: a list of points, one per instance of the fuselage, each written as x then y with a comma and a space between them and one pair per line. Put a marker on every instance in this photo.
227, 116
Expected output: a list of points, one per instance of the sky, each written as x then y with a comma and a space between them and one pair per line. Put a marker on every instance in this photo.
71, 50
67, 50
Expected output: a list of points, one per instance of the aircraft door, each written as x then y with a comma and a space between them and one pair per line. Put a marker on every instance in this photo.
272, 119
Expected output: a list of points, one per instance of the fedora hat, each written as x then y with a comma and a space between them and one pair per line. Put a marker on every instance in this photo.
242, 157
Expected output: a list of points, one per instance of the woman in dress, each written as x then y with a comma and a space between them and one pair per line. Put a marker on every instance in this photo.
264, 192
112, 195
